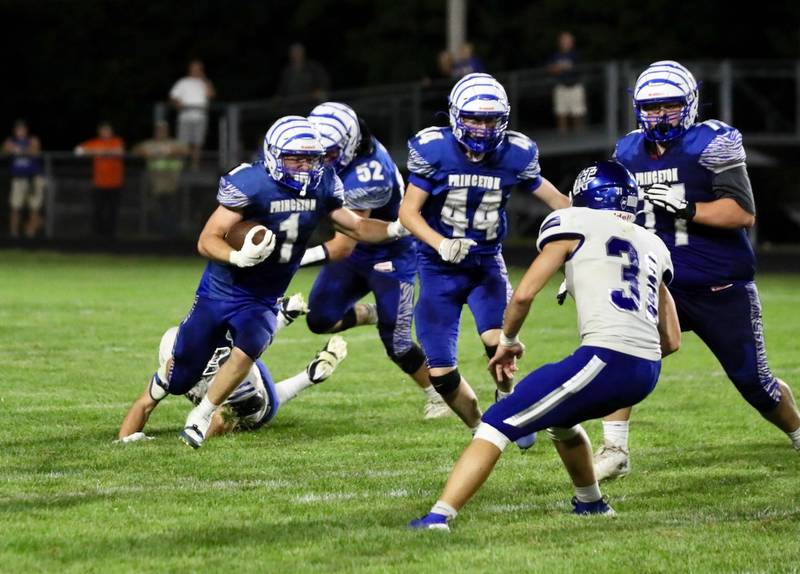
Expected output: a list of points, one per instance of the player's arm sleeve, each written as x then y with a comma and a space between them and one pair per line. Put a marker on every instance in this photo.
336, 198
421, 172
725, 157
367, 197
668, 272
531, 175
560, 225
229, 195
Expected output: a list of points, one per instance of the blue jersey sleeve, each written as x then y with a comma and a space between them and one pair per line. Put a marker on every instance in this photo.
334, 191
422, 157
525, 154
725, 151
233, 187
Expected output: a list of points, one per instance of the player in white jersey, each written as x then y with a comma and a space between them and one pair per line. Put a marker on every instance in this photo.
617, 273
256, 400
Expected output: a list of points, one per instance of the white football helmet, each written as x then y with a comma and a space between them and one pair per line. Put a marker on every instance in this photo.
661, 83
294, 136
479, 96
338, 126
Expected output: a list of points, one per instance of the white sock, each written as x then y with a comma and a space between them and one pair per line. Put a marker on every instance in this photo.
291, 387
615, 433
206, 408
430, 392
589, 493
443, 508
795, 436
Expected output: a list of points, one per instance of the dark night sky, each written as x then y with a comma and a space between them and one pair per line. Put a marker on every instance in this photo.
69, 64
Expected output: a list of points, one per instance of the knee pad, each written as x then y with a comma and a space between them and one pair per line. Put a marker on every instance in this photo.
446, 384
157, 388
319, 323
410, 361
562, 434
490, 350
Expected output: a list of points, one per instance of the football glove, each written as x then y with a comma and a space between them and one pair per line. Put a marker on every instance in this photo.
455, 250
251, 253
561, 296
395, 230
664, 197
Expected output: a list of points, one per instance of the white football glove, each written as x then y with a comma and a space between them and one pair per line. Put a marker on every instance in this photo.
395, 230
251, 253
455, 250
561, 296
135, 437
665, 197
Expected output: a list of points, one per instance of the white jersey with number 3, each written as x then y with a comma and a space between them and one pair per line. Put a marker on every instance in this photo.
614, 276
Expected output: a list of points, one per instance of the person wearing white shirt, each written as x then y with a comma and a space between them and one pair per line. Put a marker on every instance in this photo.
191, 95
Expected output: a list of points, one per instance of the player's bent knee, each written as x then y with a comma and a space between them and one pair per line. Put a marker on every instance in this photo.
158, 389
446, 384
490, 434
410, 361
319, 324
762, 396
563, 434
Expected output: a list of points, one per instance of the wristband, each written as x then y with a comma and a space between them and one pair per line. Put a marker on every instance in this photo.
508, 341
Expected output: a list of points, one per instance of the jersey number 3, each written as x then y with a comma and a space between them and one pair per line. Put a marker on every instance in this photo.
631, 301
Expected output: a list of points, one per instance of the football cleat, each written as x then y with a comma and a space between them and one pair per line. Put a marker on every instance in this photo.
611, 462
436, 408
430, 521
326, 361
597, 507
192, 436
290, 308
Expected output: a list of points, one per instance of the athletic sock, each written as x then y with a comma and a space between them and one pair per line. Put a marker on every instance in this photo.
589, 493
431, 392
615, 433
291, 387
206, 408
795, 436
442, 507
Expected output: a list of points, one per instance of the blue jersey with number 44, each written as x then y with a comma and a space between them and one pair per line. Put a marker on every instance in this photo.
250, 190
703, 256
468, 199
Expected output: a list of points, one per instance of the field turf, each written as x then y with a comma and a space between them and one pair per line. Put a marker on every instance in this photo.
330, 485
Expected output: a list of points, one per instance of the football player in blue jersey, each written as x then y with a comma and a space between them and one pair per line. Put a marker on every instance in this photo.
288, 194
700, 202
461, 178
373, 187
617, 272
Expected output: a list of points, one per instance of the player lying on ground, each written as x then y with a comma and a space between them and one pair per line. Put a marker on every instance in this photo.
617, 273
373, 187
252, 404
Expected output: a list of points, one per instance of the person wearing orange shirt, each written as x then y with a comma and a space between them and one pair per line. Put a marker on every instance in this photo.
109, 176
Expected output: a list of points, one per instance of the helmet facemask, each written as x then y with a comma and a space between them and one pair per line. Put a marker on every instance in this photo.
293, 154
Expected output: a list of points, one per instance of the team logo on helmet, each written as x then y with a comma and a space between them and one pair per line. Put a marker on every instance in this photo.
479, 110
338, 126
294, 138
606, 185
665, 100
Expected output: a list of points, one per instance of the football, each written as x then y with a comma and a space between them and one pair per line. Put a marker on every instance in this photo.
236, 234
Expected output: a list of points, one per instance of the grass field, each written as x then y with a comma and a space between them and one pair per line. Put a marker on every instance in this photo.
330, 485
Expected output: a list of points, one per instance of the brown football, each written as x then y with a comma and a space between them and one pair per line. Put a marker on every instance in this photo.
235, 236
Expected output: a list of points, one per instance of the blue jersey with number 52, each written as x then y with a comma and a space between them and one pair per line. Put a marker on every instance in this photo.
468, 199
250, 190
703, 256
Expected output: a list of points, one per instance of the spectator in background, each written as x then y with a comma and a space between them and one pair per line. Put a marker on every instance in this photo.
27, 180
569, 95
164, 157
191, 95
303, 77
466, 62
107, 150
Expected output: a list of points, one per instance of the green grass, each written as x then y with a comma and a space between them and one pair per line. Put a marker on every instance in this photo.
331, 483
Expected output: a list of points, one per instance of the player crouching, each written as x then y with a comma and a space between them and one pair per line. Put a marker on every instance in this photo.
617, 273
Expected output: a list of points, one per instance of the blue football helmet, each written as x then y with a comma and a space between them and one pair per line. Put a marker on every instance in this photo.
341, 133
479, 97
294, 136
665, 82
606, 185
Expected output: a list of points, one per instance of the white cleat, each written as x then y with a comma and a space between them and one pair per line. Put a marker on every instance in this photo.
436, 408
326, 361
195, 430
611, 462
290, 308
